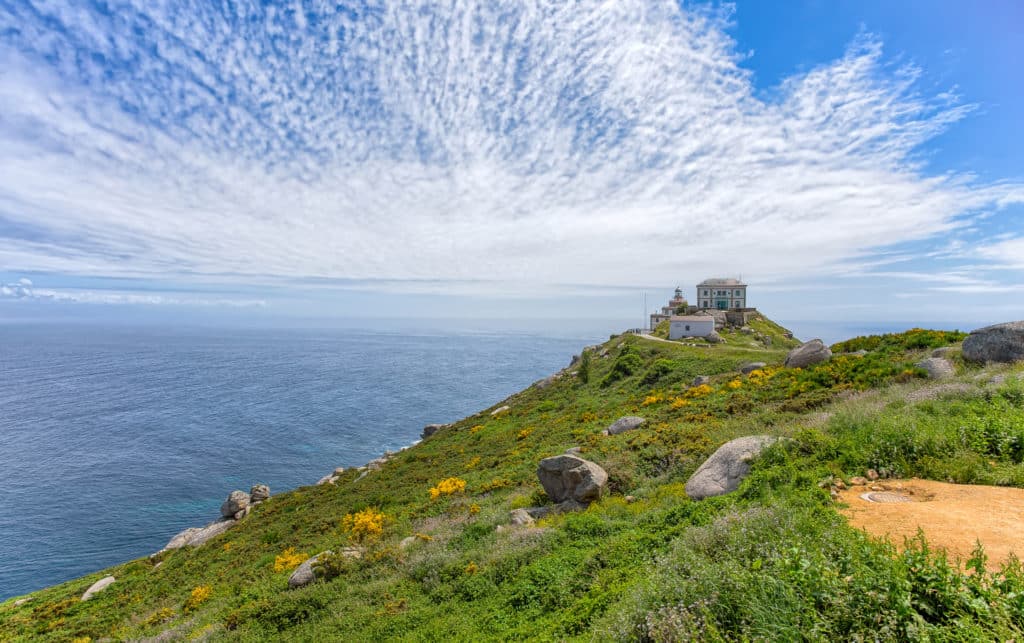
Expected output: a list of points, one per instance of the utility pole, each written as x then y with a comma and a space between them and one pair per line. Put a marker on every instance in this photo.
643, 314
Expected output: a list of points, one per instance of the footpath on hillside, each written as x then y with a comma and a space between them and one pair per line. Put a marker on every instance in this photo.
953, 517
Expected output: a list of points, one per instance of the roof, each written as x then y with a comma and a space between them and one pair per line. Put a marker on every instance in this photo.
717, 281
692, 318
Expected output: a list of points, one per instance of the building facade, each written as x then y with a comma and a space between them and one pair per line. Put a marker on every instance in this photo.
690, 326
721, 294
666, 313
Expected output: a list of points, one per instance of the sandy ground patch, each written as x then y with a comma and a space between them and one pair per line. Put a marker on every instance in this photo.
952, 516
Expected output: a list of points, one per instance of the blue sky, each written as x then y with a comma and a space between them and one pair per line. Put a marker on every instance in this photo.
301, 160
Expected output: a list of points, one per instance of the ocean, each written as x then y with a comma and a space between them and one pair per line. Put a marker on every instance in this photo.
113, 439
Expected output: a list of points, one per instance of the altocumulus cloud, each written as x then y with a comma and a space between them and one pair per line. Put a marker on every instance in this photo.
600, 143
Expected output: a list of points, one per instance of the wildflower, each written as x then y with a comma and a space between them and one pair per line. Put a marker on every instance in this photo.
472, 464
476, 428
525, 433
288, 559
447, 487
680, 402
198, 596
365, 525
474, 508
734, 384
699, 391
653, 398
471, 568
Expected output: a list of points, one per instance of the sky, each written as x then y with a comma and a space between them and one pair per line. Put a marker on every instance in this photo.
502, 160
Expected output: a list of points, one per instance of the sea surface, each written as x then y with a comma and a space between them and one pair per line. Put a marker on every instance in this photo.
113, 439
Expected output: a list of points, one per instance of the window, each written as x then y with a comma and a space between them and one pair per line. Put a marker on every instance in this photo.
737, 293
705, 293
687, 327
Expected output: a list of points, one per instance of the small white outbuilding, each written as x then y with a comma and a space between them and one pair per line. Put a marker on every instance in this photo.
690, 326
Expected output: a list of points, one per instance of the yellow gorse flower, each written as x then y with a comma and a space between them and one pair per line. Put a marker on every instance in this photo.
364, 526
447, 487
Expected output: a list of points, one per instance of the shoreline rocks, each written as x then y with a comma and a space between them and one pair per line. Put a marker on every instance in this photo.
237, 503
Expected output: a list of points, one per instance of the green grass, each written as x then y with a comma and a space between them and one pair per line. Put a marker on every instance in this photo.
773, 561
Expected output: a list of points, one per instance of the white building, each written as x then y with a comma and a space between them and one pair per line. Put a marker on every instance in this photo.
721, 294
690, 326
666, 313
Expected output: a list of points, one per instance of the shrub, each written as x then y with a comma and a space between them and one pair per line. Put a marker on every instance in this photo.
448, 486
583, 370
627, 363
364, 526
200, 595
288, 559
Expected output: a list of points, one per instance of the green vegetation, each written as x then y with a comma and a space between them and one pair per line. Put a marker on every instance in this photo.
773, 561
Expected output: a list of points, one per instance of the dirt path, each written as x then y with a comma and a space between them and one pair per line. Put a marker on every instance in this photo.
952, 516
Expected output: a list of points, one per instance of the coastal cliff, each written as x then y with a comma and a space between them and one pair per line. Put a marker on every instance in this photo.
651, 490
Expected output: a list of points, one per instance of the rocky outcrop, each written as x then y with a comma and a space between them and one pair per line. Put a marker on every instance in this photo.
713, 338
258, 493
751, 366
623, 424
98, 586
331, 478
568, 477
937, 367
196, 536
1002, 343
727, 467
700, 380
809, 354
501, 409
237, 502
430, 430
303, 574
944, 351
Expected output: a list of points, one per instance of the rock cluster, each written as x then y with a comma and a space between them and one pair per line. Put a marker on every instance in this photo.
430, 430
332, 477
237, 506
1002, 343
700, 380
809, 354
727, 467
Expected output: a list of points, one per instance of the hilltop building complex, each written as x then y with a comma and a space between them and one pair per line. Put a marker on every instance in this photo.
719, 302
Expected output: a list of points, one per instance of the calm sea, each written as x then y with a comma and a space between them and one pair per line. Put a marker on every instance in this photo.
112, 439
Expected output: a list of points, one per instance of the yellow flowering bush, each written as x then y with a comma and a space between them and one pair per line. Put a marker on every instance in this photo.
288, 559
525, 433
471, 568
474, 508
653, 398
198, 596
680, 402
734, 384
475, 428
473, 462
447, 487
364, 526
699, 391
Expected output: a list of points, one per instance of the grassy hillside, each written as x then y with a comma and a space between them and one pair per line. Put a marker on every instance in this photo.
772, 561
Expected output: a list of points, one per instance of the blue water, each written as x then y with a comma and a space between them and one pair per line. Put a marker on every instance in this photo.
114, 439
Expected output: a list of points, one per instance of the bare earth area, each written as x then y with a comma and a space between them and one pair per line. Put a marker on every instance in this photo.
952, 516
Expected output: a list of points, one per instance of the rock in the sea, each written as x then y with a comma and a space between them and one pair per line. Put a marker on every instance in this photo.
568, 477
98, 586
751, 366
237, 501
1000, 343
623, 424
700, 380
430, 430
938, 368
521, 517
259, 493
727, 467
813, 352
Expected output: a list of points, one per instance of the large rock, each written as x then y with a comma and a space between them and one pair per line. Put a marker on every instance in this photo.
938, 368
430, 430
813, 352
196, 536
567, 477
751, 366
521, 517
303, 574
624, 424
727, 467
97, 587
1000, 343
699, 380
237, 501
713, 338
259, 493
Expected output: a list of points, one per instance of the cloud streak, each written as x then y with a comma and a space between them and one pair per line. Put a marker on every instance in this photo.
542, 143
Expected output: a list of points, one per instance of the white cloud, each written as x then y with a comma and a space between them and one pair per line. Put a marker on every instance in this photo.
538, 143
